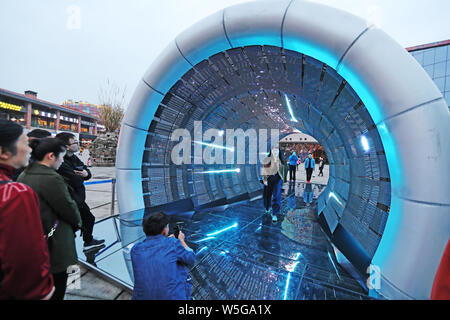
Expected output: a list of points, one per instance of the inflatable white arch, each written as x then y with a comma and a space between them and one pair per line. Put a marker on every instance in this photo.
408, 110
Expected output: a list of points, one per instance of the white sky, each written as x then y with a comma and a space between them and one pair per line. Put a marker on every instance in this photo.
45, 50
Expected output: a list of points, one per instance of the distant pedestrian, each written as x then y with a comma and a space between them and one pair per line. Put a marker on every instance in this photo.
293, 159
321, 165
59, 213
309, 167
24, 258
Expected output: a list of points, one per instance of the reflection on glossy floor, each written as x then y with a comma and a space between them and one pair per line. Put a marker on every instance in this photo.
241, 253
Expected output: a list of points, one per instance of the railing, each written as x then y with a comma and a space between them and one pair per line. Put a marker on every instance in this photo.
113, 191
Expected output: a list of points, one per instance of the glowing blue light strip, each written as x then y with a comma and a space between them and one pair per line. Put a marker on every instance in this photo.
225, 229
202, 249
208, 238
214, 145
287, 286
222, 171
291, 269
335, 198
365, 143
334, 266
288, 103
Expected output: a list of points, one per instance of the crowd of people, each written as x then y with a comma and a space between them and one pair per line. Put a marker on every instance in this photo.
275, 173
40, 212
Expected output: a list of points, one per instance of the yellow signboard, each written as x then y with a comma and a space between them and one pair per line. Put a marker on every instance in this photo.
10, 106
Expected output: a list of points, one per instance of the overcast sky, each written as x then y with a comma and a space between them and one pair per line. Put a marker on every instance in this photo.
66, 49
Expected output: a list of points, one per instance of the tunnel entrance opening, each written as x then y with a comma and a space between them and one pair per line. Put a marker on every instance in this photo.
303, 145
362, 191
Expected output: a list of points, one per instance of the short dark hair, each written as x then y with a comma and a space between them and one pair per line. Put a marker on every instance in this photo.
10, 133
65, 136
155, 223
46, 145
39, 133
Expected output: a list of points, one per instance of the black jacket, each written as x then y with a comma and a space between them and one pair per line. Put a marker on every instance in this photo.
75, 182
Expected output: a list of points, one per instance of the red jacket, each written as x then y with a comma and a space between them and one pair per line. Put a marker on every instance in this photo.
24, 258
441, 284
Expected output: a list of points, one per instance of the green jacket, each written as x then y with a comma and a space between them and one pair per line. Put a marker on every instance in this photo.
55, 204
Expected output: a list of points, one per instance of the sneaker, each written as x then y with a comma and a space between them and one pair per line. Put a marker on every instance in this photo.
274, 218
92, 244
267, 211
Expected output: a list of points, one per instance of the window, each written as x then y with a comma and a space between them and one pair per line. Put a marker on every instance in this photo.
440, 82
439, 69
441, 54
419, 57
429, 70
447, 84
428, 57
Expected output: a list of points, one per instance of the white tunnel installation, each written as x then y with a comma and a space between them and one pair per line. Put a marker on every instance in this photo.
380, 118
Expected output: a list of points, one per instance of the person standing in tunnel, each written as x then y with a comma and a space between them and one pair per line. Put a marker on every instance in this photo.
292, 166
274, 173
309, 167
321, 165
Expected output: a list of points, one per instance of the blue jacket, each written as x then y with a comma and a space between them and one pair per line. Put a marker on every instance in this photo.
313, 163
293, 160
160, 269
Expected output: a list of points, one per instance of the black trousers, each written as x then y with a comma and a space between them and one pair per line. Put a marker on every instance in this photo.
309, 172
292, 169
60, 282
272, 194
321, 171
87, 222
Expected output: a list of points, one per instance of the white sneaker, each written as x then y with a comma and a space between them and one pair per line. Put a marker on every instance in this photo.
274, 218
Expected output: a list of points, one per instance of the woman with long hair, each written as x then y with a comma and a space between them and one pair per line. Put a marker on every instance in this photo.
274, 173
59, 213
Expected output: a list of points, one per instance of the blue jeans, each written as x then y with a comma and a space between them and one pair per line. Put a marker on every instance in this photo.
272, 194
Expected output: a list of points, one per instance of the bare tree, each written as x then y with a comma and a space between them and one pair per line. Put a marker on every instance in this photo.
111, 100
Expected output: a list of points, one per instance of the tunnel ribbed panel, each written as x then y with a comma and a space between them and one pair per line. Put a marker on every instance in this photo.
245, 88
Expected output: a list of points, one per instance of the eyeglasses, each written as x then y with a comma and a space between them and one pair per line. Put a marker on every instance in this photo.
76, 142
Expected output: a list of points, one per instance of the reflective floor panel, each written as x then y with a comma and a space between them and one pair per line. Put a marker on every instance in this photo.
240, 252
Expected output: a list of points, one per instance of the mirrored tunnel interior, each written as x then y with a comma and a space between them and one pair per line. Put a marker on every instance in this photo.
240, 252
267, 87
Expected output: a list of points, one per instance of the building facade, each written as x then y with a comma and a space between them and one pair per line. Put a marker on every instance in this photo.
31, 112
435, 59
85, 107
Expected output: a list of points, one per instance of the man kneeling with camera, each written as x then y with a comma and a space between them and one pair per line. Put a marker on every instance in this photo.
160, 262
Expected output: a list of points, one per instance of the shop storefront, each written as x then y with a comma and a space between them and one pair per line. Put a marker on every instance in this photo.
13, 112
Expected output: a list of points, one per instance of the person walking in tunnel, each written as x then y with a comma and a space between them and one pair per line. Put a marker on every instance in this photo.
321, 165
309, 167
292, 166
274, 173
